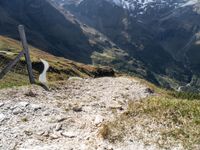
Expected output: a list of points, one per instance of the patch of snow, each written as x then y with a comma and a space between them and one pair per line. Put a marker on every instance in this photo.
190, 2
140, 6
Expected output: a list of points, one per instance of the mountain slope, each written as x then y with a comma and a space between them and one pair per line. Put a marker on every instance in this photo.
161, 35
60, 68
58, 32
49, 28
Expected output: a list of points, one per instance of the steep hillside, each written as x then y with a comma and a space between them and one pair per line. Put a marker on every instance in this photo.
50, 29
60, 68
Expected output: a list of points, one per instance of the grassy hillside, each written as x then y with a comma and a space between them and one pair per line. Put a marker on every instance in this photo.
167, 119
60, 68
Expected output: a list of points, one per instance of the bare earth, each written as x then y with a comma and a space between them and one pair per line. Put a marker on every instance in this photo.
68, 117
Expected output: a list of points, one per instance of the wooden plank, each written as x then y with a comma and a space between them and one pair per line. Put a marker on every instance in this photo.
26, 51
11, 64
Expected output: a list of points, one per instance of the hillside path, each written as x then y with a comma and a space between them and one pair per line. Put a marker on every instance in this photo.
68, 117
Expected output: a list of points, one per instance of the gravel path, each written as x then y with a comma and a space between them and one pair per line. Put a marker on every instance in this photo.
68, 117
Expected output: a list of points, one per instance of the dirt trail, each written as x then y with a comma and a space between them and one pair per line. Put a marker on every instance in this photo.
68, 117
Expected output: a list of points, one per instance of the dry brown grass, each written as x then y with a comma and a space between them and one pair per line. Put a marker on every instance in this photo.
104, 131
163, 121
60, 69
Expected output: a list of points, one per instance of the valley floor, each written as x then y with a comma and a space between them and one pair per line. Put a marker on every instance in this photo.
71, 116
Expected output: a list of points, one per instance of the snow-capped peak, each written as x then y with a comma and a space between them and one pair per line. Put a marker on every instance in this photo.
140, 6
190, 2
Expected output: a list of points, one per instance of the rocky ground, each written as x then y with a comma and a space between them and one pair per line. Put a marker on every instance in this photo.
67, 117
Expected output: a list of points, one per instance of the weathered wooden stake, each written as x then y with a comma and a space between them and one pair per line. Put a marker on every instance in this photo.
26, 52
11, 64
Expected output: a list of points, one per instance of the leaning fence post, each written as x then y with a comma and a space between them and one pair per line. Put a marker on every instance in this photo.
26, 52
11, 64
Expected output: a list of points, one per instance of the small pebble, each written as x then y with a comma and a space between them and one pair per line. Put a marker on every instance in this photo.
40, 133
35, 107
58, 127
29, 133
119, 107
2, 117
46, 133
53, 136
98, 120
17, 111
22, 104
77, 109
46, 113
61, 119
68, 134
1, 104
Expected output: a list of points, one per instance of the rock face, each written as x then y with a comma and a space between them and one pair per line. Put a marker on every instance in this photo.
48, 121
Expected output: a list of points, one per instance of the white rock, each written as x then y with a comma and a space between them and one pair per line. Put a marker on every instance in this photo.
35, 107
2, 117
58, 127
98, 120
68, 134
61, 118
1, 104
40, 133
46, 133
54, 136
22, 104
17, 111
119, 107
46, 113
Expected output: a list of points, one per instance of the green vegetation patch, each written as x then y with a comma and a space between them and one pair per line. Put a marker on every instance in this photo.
186, 95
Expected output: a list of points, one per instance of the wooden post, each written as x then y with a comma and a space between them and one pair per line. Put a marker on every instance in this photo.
11, 64
26, 53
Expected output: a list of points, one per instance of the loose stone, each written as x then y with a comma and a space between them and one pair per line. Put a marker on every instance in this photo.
2, 117
17, 111
1, 104
68, 134
58, 127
